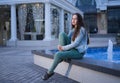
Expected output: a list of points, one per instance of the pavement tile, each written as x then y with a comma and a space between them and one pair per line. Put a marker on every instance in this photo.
16, 66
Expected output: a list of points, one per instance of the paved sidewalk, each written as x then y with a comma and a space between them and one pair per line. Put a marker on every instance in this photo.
16, 66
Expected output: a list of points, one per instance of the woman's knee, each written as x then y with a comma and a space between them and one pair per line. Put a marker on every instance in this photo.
57, 55
62, 35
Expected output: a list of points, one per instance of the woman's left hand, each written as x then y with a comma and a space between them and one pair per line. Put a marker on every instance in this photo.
60, 48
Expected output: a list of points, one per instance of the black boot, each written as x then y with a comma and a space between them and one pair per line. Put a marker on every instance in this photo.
47, 76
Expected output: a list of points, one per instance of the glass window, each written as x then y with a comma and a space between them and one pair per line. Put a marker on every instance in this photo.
91, 22
55, 16
31, 21
66, 22
113, 20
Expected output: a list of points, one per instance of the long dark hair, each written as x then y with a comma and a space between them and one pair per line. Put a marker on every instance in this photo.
80, 24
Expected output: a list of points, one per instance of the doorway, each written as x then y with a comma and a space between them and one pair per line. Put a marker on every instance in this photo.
4, 24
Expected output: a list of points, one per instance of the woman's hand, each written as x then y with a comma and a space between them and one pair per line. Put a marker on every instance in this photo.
60, 48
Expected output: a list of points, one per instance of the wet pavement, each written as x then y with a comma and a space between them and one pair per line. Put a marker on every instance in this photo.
16, 66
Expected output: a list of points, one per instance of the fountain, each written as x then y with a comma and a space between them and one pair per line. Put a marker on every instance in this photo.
110, 51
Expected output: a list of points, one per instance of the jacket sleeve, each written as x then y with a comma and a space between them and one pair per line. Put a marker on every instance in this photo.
77, 40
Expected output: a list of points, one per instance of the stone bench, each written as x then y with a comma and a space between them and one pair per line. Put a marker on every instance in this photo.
87, 70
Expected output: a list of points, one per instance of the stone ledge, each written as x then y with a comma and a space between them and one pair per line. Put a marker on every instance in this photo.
97, 65
103, 69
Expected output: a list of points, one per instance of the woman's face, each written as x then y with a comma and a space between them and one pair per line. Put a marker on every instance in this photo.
74, 20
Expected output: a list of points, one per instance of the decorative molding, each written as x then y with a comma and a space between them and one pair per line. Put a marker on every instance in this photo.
60, 3
113, 3
9, 2
102, 5
66, 6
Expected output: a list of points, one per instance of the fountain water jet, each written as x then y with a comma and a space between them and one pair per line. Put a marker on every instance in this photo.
110, 51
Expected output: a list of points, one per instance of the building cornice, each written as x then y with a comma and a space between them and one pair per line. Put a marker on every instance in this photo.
60, 3
103, 4
9, 2
66, 6
113, 3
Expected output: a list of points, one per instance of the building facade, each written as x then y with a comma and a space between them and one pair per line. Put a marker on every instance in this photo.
101, 16
34, 20
23, 21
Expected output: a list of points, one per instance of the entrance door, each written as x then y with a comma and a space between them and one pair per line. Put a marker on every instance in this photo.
114, 20
1, 39
4, 20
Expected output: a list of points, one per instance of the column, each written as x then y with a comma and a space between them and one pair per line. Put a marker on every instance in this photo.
62, 20
47, 22
102, 23
13, 23
70, 20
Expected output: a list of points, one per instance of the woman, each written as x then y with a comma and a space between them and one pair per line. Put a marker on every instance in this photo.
71, 46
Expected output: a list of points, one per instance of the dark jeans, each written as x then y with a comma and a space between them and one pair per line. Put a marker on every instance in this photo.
63, 55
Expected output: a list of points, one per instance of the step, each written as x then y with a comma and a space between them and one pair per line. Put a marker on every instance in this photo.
94, 42
86, 70
102, 35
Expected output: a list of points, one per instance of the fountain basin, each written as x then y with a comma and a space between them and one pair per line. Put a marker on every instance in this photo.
100, 53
